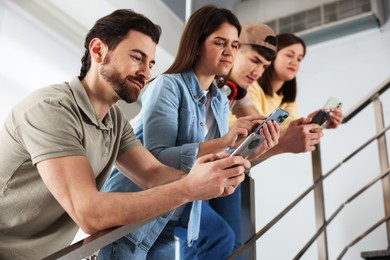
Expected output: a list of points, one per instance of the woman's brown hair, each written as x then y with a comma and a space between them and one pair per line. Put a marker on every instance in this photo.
200, 25
289, 88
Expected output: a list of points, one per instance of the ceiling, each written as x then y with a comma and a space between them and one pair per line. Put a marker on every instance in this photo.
179, 7
70, 19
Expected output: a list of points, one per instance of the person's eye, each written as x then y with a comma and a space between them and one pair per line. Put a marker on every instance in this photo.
219, 43
151, 66
235, 46
136, 58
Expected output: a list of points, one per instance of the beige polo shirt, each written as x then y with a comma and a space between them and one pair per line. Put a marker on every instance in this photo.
52, 122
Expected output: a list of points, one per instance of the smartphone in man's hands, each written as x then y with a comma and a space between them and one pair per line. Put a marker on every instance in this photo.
278, 115
246, 148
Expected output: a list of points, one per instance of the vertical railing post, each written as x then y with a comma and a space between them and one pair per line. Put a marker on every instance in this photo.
248, 216
384, 161
319, 203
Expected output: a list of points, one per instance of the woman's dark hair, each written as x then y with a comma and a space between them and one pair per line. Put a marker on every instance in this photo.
200, 25
113, 28
289, 88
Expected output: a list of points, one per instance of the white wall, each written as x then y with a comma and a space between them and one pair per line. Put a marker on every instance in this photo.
37, 51
347, 68
30, 58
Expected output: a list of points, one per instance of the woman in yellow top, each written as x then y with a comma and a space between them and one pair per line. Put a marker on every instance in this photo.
277, 87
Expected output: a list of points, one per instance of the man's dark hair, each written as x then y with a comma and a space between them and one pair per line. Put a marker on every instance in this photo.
267, 53
113, 28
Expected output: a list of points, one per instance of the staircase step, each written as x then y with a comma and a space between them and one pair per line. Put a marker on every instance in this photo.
376, 255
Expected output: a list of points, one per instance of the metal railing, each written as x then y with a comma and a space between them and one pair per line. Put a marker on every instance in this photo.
88, 247
317, 186
92, 244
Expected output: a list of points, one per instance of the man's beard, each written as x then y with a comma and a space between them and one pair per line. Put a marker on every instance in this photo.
123, 87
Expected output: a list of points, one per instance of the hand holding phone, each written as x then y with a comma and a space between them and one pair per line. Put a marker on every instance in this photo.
323, 115
246, 148
279, 115
320, 118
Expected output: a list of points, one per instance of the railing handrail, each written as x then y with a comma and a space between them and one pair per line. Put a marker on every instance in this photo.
367, 100
271, 223
94, 242
363, 235
359, 107
338, 210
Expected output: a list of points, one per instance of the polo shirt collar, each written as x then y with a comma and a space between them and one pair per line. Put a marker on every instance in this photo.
85, 105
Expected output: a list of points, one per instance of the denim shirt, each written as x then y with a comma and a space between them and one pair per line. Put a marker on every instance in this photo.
171, 122
171, 126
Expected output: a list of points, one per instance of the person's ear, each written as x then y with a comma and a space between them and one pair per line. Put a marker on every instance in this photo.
96, 49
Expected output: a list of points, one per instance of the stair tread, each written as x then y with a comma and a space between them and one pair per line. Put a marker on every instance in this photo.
385, 252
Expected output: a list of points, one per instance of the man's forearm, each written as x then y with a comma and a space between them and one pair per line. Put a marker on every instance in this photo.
123, 208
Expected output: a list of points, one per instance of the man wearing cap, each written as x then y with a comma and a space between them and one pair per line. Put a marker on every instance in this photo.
257, 50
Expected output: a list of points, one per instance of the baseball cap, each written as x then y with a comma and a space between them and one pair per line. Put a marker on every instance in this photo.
256, 34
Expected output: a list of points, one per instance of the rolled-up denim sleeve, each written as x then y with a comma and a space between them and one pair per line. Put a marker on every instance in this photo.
163, 117
188, 156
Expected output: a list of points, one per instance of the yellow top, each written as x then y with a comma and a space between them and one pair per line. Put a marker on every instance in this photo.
264, 105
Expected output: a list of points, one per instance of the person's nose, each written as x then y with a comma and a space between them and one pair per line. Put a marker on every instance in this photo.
228, 51
258, 71
144, 71
294, 62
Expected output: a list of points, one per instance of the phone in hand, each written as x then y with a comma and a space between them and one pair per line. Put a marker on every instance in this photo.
320, 118
279, 115
246, 148
323, 115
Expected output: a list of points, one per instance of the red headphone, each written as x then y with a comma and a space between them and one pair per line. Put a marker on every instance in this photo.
233, 91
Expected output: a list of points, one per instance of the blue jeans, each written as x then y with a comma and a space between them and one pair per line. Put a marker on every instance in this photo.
220, 229
151, 241
126, 249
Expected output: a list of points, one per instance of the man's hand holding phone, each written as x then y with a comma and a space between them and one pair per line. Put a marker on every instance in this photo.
240, 130
264, 137
270, 131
